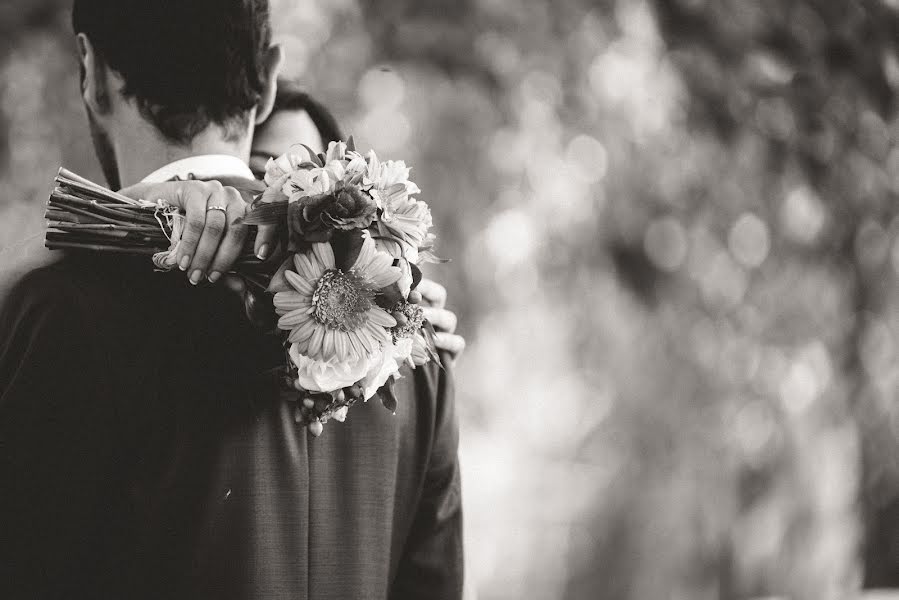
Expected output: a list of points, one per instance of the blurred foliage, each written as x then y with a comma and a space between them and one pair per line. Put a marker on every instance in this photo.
674, 250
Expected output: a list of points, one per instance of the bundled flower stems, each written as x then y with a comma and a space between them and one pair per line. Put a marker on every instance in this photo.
342, 284
83, 215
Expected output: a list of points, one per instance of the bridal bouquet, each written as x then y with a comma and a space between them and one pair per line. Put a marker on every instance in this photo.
352, 237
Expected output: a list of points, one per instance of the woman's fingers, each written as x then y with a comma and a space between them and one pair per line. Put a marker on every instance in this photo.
444, 320
432, 292
441, 318
214, 215
192, 200
212, 240
450, 342
235, 234
266, 239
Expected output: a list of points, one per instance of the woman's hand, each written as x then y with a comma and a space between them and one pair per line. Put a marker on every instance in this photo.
444, 320
212, 239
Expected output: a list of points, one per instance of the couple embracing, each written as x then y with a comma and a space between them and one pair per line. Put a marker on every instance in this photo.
146, 447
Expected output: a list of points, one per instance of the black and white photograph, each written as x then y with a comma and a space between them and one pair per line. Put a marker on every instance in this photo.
449, 300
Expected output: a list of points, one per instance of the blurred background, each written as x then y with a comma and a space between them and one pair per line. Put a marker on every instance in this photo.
673, 226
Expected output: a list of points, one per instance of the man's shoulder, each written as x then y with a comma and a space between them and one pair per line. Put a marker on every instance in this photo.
49, 285
71, 275
82, 287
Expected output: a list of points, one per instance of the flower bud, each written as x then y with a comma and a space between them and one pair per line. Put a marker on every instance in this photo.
414, 297
309, 403
315, 428
401, 319
341, 396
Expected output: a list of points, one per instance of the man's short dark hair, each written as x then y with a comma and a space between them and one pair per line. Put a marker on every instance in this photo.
187, 63
291, 97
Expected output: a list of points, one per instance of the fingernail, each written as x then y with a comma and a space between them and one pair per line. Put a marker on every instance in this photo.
263, 252
214, 276
185, 262
195, 276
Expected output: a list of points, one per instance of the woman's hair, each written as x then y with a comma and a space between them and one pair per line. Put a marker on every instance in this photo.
292, 98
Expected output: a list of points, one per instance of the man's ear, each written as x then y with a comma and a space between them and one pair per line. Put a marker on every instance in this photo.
94, 88
273, 59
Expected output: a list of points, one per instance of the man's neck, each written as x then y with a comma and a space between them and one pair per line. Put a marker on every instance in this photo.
142, 150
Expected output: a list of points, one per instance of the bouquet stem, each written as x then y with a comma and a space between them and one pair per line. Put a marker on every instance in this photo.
84, 215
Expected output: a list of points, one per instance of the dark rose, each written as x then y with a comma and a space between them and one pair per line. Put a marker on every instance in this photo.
314, 218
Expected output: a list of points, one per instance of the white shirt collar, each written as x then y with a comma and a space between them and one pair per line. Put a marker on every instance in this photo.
203, 166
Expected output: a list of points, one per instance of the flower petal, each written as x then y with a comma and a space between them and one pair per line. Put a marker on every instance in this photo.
385, 277
310, 269
315, 342
325, 254
304, 286
378, 333
301, 333
288, 301
380, 317
366, 253
341, 345
354, 346
328, 344
381, 261
365, 341
294, 318
302, 346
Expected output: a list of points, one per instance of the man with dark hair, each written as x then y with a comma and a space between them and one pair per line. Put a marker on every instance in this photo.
207, 66
147, 449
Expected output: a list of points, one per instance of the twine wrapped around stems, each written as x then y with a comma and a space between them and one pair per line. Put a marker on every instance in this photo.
83, 215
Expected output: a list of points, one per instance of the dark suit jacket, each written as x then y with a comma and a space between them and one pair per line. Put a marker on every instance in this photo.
146, 451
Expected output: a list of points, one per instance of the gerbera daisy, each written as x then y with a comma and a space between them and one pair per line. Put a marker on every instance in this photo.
332, 314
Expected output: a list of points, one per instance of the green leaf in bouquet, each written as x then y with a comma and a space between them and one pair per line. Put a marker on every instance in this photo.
416, 275
279, 281
270, 213
389, 296
259, 309
426, 256
351, 144
430, 336
346, 246
317, 159
426, 251
387, 395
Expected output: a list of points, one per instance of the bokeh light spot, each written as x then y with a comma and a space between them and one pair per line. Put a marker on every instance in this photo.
510, 238
749, 240
588, 158
665, 243
382, 89
803, 216
389, 129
